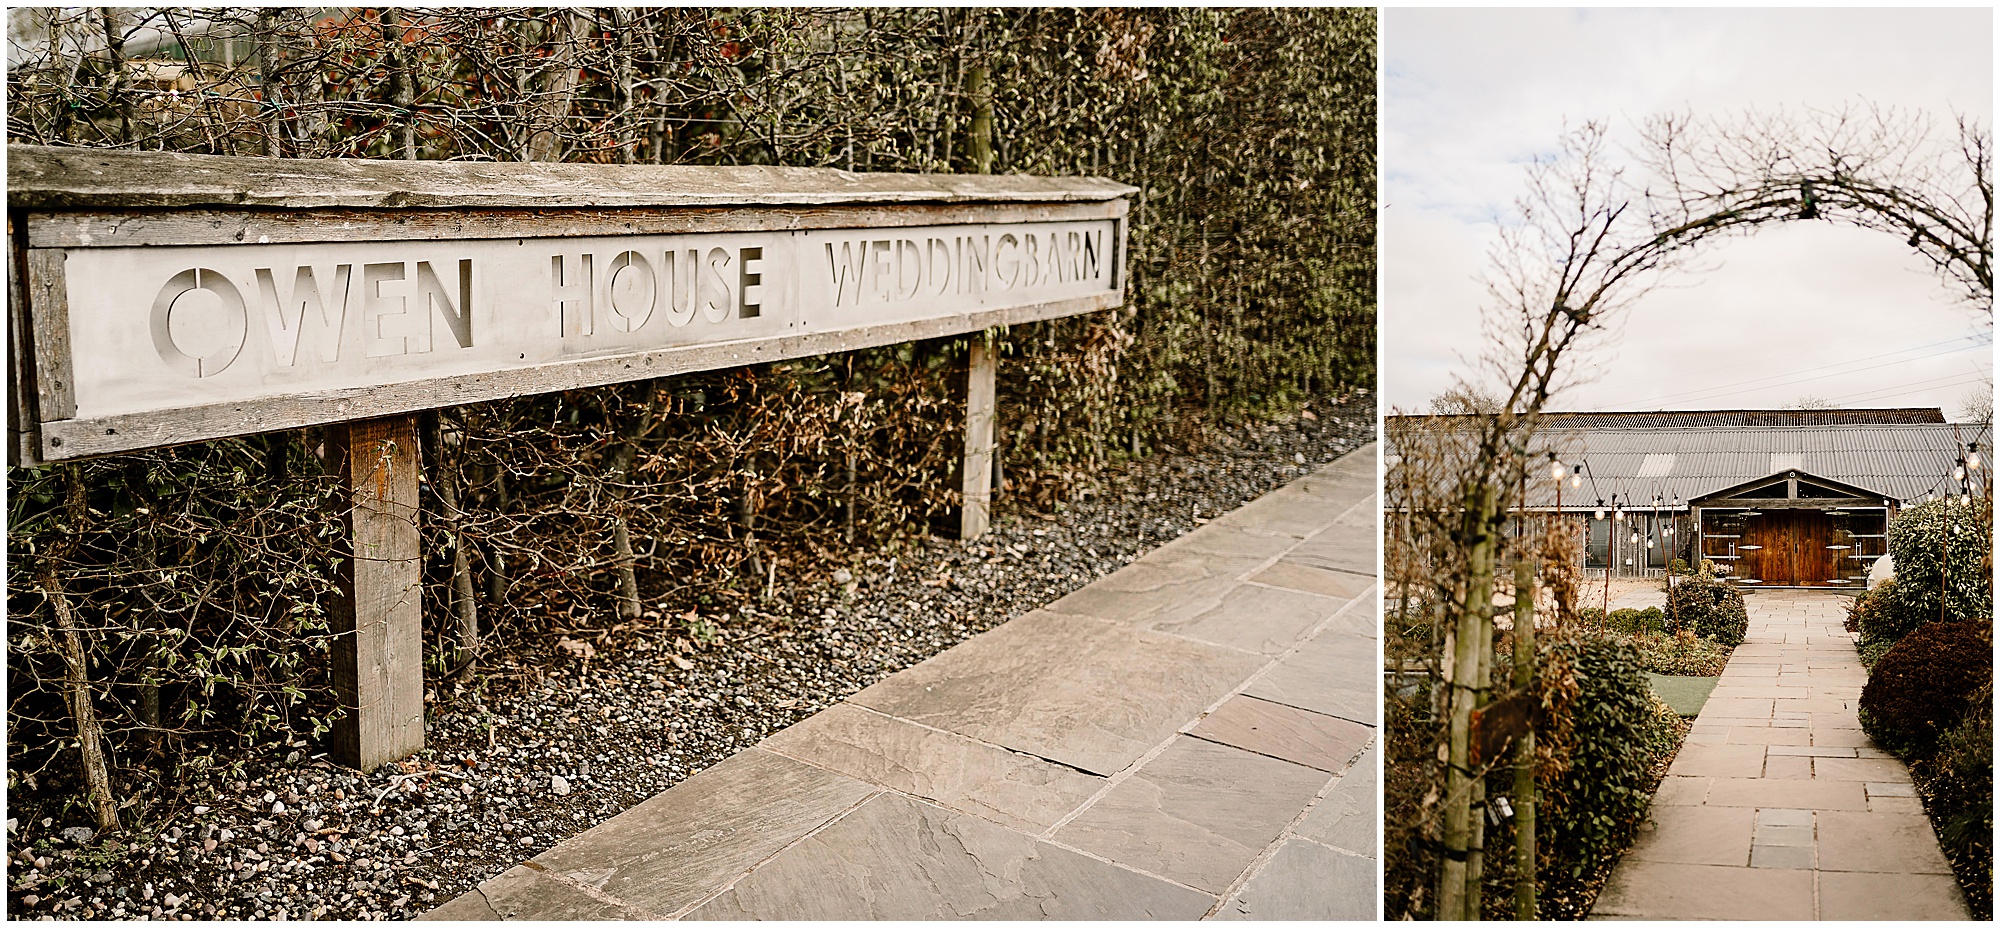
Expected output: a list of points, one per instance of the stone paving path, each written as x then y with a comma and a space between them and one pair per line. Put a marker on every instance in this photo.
1779, 806
1192, 736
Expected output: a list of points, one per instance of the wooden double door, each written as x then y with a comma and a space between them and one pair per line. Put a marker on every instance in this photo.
1789, 547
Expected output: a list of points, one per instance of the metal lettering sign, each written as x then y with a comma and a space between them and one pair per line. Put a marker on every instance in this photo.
161, 328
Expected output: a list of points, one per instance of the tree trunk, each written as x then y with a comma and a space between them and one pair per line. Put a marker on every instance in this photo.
89, 733
621, 532
1457, 899
1524, 750
402, 91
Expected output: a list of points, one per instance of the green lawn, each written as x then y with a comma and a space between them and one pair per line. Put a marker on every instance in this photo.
1685, 694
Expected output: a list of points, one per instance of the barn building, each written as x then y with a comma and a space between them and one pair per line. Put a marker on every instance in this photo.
1774, 498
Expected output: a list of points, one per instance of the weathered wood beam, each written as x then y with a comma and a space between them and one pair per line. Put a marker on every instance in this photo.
378, 654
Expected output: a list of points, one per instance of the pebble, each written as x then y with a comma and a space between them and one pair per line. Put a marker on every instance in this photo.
636, 722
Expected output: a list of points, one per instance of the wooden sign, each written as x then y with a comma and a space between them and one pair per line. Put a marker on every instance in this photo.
156, 299
216, 314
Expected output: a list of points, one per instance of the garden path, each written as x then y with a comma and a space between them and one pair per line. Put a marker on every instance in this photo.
1779, 806
1192, 736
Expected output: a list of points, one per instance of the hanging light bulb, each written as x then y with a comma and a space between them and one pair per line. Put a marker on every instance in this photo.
1965, 499
1972, 455
1617, 515
1599, 511
1556, 471
1958, 473
1635, 538
1576, 476
1649, 544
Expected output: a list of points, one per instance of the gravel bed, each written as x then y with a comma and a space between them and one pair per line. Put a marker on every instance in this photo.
551, 741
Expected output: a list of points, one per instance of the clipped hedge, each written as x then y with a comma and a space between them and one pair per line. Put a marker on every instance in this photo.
1593, 808
1676, 656
1637, 621
1923, 686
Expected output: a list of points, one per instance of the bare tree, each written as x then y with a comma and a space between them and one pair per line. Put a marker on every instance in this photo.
1585, 243
1877, 168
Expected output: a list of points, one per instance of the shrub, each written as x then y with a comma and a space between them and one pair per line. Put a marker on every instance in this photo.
1917, 539
1663, 727
1872, 651
1637, 621
1874, 614
1711, 608
1922, 687
1681, 657
1959, 781
1593, 807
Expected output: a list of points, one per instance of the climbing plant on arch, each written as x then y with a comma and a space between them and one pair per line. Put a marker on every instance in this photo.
1590, 236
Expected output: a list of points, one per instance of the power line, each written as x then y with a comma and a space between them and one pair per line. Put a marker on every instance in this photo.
1720, 390
1815, 349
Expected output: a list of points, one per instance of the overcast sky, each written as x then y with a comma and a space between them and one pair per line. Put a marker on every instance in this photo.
1799, 310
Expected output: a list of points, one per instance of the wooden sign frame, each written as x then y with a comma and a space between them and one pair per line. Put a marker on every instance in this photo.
111, 253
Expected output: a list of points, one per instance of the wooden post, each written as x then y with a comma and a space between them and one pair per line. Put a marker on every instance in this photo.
981, 364
378, 659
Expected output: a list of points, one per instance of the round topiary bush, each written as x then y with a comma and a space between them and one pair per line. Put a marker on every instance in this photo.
1921, 688
1917, 541
1592, 808
1874, 615
1711, 608
1727, 621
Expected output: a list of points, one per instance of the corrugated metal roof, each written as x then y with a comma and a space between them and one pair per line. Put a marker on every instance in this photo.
1901, 462
1744, 418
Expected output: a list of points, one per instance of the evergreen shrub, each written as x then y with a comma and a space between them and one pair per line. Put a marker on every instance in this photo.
1594, 807
1917, 541
1713, 609
1923, 686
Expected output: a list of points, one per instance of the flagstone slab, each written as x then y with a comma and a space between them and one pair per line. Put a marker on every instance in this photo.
1345, 817
1681, 791
1232, 543
1140, 592
1767, 735
666, 852
1276, 730
1723, 707
1761, 793
896, 858
1694, 891
1892, 896
1719, 760
1291, 510
1198, 814
1696, 835
1075, 690
1305, 881
526, 894
1879, 842
1251, 617
1865, 769
1353, 552
1333, 673
1337, 584
1781, 767
952, 770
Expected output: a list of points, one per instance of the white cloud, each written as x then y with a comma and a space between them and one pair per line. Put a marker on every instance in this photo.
1471, 95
